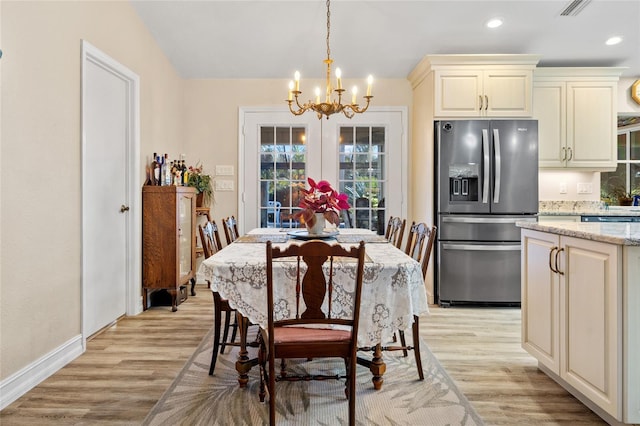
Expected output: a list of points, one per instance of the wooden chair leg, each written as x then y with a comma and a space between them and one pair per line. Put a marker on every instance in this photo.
217, 320
235, 329
272, 392
227, 320
403, 343
352, 391
416, 345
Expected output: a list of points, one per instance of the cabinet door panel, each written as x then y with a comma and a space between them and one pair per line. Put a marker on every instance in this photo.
540, 299
507, 93
185, 239
591, 124
457, 93
549, 108
591, 296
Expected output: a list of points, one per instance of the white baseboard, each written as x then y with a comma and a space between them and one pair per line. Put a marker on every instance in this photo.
21, 382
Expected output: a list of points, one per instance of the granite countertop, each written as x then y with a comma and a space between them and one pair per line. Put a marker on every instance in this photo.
623, 233
584, 208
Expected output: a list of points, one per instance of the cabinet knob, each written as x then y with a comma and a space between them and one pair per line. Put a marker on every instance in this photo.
124, 208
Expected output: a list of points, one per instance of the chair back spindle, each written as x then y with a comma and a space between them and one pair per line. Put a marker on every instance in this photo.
395, 230
230, 226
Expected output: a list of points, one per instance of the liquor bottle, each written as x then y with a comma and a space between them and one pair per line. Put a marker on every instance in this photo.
185, 173
155, 169
167, 170
162, 170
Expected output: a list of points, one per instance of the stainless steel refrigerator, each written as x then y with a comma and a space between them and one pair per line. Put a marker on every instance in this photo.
486, 180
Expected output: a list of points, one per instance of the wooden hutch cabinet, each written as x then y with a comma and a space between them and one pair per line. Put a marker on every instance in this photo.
168, 240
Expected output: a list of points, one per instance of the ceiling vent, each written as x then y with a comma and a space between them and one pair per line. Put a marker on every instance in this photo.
574, 7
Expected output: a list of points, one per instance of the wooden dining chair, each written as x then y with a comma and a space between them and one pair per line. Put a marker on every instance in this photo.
210, 238
313, 333
395, 230
419, 246
420, 243
230, 226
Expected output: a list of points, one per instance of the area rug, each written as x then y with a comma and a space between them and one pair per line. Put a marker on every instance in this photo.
195, 398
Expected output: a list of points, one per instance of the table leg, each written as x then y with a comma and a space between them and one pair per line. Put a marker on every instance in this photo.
376, 366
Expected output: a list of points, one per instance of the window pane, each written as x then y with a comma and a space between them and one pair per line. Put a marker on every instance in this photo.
635, 145
635, 177
622, 147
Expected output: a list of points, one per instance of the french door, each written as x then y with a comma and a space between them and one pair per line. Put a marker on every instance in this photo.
364, 157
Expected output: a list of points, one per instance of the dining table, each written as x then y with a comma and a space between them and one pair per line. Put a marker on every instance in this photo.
393, 290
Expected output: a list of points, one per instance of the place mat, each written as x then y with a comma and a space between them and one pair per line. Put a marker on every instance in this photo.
262, 238
356, 238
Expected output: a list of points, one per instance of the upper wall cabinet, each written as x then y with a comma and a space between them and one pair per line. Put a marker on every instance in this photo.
483, 93
576, 110
481, 85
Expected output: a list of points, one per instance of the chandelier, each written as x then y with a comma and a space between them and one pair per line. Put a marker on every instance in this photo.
329, 106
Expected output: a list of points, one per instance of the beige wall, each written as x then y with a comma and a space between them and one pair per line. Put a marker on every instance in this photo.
40, 298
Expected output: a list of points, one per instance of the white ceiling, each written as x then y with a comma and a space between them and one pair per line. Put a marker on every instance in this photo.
272, 39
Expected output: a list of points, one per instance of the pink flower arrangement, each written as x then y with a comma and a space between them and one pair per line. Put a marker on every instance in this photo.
321, 198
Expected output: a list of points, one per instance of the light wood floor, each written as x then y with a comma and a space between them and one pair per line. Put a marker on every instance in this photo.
127, 368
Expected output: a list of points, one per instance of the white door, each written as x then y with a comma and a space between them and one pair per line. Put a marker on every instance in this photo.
364, 157
109, 199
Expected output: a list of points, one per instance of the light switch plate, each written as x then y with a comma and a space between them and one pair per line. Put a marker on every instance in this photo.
224, 170
223, 185
585, 188
563, 187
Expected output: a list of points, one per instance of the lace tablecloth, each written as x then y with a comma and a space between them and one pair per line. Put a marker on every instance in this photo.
393, 289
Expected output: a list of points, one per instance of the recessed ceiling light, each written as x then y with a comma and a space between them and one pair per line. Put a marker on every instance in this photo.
613, 40
494, 22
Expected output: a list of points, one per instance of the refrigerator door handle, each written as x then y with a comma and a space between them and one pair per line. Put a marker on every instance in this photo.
487, 160
467, 219
482, 247
496, 150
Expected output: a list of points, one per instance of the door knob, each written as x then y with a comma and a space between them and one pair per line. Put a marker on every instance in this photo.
124, 208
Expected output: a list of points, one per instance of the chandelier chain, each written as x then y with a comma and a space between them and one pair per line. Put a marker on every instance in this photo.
328, 29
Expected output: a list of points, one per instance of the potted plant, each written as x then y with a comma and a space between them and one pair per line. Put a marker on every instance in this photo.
319, 203
616, 188
203, 184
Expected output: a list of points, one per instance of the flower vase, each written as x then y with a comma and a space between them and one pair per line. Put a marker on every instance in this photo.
200, 199
318, 227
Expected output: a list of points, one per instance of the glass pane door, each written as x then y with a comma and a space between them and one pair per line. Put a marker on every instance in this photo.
283, 155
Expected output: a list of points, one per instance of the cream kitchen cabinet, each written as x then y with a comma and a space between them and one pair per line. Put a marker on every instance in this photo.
576, 109
572, 314
463, 91
470, 86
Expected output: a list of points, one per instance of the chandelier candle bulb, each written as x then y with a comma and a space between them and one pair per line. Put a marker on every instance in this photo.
369, 83
339, 77
354, 95
317, 95
296, 77
290, 90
